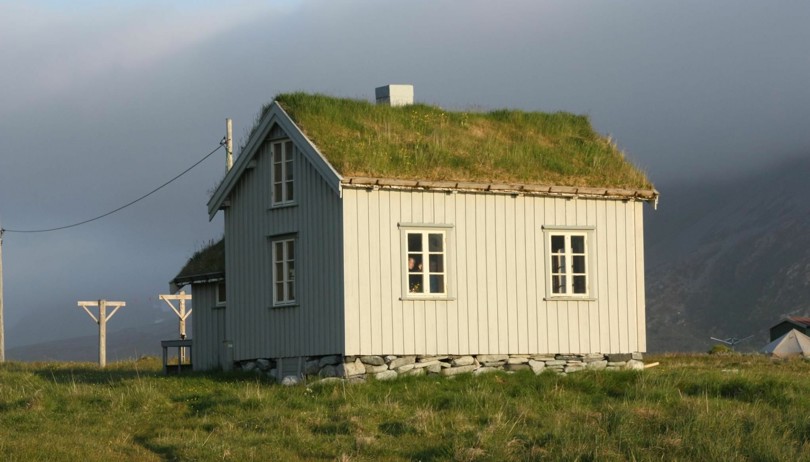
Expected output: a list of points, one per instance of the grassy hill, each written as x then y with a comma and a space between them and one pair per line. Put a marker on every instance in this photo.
689, 408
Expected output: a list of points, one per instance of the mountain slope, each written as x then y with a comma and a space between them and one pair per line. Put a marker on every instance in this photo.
728, 258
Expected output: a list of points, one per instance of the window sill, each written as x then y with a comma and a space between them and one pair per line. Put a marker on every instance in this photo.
218, 307
283, 205
284, 305
569, 299
440, 298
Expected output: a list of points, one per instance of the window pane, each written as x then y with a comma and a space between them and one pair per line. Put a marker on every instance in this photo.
279, 272
579, 285
436, 263
291, 271
558, 264
437, 284
289, 191
415, 262
291, 290
435, 243
290, 250
288, 148
277, 172
277, 153
277, 193
579, 264
558, 284
221, 292
288, 171
578, 244
280, 292
414, 242
278, 252
415, 283
557, 244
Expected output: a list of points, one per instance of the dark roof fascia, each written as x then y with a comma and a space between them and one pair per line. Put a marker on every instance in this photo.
198, 279
646, 195
792, 321
275, 114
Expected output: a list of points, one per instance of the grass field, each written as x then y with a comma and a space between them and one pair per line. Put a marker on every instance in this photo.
716, 407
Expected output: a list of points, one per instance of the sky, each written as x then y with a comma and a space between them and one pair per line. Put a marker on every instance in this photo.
100, 102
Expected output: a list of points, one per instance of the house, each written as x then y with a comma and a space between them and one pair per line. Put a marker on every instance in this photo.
800, 323
403, 238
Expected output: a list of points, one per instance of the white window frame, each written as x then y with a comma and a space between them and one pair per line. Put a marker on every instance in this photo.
287, 278
424, 255
286, 167
221, 298
586, 233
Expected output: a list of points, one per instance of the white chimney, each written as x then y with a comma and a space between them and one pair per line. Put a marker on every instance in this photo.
394, 95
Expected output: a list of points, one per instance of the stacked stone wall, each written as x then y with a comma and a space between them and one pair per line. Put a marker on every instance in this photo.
360, 368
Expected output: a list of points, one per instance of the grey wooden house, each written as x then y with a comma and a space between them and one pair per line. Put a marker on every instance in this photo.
363, 238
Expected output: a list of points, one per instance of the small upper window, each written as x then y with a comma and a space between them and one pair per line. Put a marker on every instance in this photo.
425, 263
568, 264
284, 271
282, 172
221, 294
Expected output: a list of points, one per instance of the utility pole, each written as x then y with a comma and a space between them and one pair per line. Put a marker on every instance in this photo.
181, 312
229, 143
101, 320
2, 326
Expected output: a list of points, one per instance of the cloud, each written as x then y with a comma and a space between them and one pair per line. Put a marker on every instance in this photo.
53, 49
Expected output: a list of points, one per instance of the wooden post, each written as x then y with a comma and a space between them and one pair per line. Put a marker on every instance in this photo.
229, 143
181, 313
2, 327
101, 320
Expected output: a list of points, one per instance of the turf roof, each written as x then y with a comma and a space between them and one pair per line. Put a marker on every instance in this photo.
207, 261
422, 142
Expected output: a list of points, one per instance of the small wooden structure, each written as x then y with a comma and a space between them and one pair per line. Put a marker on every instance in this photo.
181, 345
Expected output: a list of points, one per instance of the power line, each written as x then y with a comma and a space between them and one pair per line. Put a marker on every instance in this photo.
221, 144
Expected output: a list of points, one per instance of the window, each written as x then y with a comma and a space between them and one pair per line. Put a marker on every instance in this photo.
568, 263
425, 262
282, 172
221, 293
284, 271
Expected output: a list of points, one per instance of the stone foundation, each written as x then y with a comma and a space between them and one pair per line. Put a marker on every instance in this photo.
291, 371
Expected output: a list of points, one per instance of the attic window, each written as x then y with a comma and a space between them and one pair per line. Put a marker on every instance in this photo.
282, 172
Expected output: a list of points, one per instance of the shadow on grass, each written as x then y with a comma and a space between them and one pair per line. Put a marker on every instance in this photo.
165, 452
91, 374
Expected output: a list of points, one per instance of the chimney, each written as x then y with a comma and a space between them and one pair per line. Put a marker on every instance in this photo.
394, 95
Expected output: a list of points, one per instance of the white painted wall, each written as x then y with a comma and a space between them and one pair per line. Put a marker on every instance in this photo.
498, 270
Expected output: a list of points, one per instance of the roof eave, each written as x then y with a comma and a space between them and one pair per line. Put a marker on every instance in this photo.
645, 195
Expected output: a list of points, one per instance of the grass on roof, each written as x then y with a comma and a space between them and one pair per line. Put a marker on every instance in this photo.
209, 259
429, 143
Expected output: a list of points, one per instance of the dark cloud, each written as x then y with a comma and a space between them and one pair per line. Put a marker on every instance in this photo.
102, 104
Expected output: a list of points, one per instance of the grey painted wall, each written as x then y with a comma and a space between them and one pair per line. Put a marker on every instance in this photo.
314, 325
208, 322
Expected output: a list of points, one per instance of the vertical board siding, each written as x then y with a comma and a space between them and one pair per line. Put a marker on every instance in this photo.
208, 327
496, 260
315, 325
